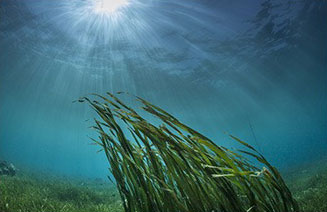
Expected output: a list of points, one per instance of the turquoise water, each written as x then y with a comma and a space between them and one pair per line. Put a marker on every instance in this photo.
254, 69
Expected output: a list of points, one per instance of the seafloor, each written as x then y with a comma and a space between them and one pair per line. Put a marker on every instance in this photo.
30, 192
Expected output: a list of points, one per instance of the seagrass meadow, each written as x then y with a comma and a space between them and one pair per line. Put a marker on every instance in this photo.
28, 192
171, 167
163, 106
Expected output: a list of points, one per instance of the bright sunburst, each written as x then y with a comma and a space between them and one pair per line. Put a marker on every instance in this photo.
109, 6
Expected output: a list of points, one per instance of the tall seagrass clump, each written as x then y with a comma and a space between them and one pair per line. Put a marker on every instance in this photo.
173, 168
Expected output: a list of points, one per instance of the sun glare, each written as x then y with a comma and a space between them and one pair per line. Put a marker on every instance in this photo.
109, 6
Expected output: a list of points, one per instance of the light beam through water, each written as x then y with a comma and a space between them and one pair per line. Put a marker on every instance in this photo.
109, 6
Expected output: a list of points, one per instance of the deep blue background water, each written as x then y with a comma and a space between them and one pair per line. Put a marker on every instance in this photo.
219, 66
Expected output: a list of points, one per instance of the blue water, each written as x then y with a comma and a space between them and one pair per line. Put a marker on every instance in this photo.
254, 69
